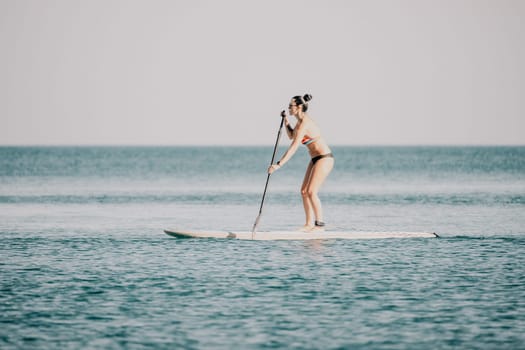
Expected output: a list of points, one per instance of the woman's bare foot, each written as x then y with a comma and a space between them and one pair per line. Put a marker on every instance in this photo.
319, 226
306, 228
317, 229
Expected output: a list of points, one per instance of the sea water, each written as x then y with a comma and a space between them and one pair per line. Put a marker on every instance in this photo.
84, 262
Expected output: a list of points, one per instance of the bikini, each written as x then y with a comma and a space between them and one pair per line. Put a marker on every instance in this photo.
315, 159
308, 140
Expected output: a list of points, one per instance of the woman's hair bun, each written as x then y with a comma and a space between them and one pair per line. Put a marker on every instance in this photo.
307, 97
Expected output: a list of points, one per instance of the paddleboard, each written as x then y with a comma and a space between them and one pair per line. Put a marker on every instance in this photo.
296, 235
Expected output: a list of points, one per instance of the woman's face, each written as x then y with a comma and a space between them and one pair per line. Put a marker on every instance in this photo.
293, 108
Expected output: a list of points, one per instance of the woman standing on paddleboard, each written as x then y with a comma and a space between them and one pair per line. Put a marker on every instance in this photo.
322, 163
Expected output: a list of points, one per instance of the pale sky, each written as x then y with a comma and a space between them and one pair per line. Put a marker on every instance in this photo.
391, 72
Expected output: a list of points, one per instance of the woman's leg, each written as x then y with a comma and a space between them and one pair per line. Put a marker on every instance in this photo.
320, 171
308, 208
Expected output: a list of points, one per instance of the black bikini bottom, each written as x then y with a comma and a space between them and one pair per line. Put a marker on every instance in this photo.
315, 159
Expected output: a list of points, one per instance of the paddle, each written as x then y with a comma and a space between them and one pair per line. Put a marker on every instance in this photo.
283, 115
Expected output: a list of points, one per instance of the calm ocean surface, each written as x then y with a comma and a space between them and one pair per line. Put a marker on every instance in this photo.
84, 262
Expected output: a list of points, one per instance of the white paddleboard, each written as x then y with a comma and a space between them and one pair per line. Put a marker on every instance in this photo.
296, 235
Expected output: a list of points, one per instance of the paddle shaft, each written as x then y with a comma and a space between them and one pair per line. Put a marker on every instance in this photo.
268, 177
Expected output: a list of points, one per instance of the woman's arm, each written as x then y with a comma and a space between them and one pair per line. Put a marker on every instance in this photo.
293, 148
289, 129
299, 134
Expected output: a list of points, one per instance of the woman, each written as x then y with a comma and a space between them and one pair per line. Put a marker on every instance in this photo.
308, 133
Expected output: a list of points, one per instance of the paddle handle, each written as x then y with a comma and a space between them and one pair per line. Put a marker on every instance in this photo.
283, 115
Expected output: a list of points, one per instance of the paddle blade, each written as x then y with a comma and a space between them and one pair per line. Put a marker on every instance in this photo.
256, 224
